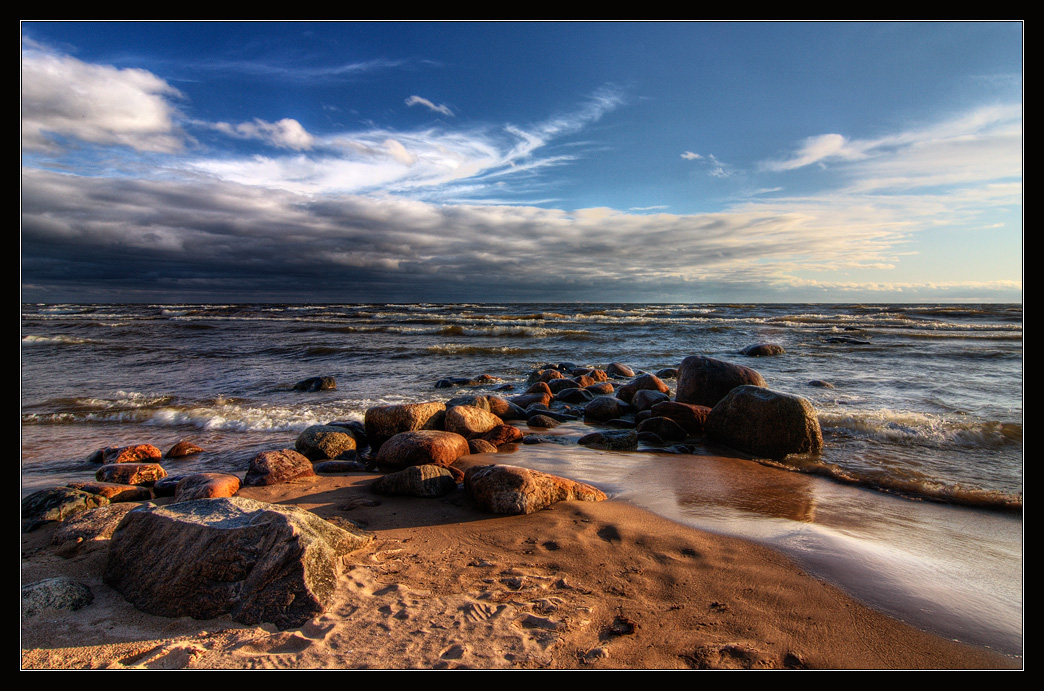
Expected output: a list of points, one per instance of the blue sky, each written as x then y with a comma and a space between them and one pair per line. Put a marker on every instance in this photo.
688, 162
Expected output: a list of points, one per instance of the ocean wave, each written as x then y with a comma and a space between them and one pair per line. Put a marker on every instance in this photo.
466, 349
60, 340
910, 428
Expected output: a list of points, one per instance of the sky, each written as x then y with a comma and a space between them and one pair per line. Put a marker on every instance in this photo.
521, 162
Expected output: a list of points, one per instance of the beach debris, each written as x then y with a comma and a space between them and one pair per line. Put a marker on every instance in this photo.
54, 593
417, 481
130, 473
277, 467
114, 492
421, 447
316, 384
705, 381
617, 440
762, 350
320, 442
183, 448
57, 504
469, 421
508, 489
95, 524
765, 423
251, 561
384, 422
206, 486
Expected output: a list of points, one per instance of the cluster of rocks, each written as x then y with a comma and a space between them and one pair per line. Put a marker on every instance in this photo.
256, 562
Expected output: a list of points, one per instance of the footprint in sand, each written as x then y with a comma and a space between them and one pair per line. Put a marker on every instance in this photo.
478, 612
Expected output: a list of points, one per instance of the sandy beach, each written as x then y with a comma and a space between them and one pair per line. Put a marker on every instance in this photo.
581, 585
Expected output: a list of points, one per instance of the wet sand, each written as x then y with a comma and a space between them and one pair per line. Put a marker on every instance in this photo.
583, 585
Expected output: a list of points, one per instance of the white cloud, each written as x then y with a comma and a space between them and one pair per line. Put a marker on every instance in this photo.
417, 100
286, 133
63, 97
690, 156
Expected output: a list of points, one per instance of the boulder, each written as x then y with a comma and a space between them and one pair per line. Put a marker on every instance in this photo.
600, 388
644, 399
384, 422
422, 447
126, 454
339, 467
542, 422
528, 399
605, 408
619, 440
235, 557
206, 486
57, 504
417, 481
512, 490
645, 382
95, 524
183, 448
114, 492
762, 350
130, 473
319, 442
668, 373
663, 427
54, 593
705, 381
765, 423
574, 395
503, 434
469, 421
277, 467
691, 417
481, 446
616, 369
316, 384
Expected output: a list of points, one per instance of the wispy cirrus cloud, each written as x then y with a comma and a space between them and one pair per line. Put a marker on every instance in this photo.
420, 101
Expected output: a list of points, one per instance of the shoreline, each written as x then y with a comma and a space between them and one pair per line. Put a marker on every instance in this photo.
603, 585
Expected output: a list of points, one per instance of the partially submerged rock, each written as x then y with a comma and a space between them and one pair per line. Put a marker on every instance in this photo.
765, 423
763, 350
130, 473
320, 442
619, 440
134, 453
705, 381
507, 489
316, 384
235, 557
183, 448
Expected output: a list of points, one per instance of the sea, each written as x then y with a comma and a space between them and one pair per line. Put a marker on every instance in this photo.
914, 505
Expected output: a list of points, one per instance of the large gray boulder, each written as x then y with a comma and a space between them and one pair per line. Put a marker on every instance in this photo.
507, 489
705, 381
765, 423
235, 557
54, 593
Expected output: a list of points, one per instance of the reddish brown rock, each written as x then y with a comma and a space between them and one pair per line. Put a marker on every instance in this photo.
277, 467
512, 490
384, 422
206, 486
526, 400
617, 369
130, 473
421, 447
763, 350
135, 453
692, 418
114, 492
542, 388
481, 446
601, 388
605, 408
649, 382
417, 481
183, 448
765, 423
705, 381
319, 442
503, 434
469, 421
663, 427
